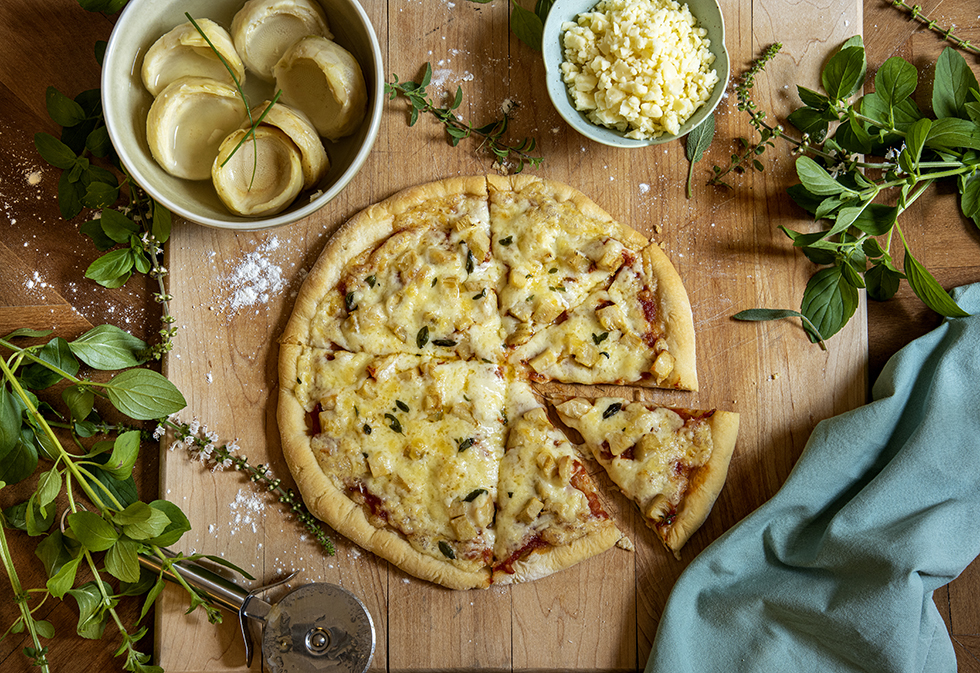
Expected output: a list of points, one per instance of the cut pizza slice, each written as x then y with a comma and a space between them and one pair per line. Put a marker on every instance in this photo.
400, 453
671, 462
555, 246
638, 330
412, 274
549, 516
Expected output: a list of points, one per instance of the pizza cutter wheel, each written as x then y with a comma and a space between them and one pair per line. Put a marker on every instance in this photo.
318, 627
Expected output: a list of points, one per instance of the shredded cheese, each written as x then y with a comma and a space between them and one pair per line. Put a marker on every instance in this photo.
638, 66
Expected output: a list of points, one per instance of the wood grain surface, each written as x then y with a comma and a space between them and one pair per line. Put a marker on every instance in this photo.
602, 614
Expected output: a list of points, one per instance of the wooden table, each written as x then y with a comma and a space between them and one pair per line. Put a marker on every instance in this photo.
43, 258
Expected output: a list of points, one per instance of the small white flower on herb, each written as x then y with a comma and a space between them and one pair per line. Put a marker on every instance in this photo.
159, 432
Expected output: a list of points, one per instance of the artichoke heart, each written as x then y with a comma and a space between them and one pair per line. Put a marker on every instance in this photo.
262, 177
295, 124
187, 123
263, 29
183, 52
324, 80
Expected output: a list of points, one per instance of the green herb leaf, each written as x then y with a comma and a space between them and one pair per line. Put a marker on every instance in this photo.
895, 80
122, 560
696, 143
54, 151
447, 550
882, 282
829, 301
422, 337
768, 314
951, 85
612, 410
125, 450
106, 347
94, 532
91, 610
20, 461
53, 552
527, 26
79, 401
62, 109
953, 134
117, 226
175, 529
474, 494
394, 424
48, 488
10, 420
161, 224
817, 180
144, 395
112, 269
64, 578
844, 72
55, 353
928, 289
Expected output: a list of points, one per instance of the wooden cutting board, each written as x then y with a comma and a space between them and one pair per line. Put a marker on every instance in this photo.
234, 292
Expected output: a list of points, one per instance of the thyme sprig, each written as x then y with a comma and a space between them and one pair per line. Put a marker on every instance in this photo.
507, 157
203, 445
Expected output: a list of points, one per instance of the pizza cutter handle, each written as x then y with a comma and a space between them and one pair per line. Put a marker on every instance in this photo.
218, 591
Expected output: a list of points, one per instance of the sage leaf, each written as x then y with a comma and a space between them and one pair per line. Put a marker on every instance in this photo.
106, 347
767, 314
817, 180
928, 289
951, 85
144, 395
895, 80
829, 301
122, 560
844, 72
92, 531
696, 143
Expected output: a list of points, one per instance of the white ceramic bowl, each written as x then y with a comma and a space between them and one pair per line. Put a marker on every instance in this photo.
125, 104
709, 17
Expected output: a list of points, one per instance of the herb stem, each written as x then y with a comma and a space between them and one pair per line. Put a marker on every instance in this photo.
21, 599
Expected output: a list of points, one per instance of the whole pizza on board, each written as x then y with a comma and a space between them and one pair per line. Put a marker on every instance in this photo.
408, 407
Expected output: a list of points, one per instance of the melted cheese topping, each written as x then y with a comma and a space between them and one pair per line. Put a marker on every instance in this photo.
553, 256
647, 451
615, 336
417, 441
427, 289
536, 497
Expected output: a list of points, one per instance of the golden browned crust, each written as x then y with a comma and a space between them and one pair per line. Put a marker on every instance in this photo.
704, 484
675, 310
330, 504
365, 231
546, 561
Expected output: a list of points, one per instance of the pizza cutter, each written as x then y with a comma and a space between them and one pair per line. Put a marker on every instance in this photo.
316, 627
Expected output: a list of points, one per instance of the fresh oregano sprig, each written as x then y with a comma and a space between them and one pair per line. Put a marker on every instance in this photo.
862, 213
527, 25
506, 156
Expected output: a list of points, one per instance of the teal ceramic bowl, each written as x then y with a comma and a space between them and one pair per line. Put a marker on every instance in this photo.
126, 103
709, 17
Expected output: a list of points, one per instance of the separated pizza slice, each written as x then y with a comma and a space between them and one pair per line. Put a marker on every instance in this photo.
555, 246
412, 274
671, 462
399, 453
637, 330
549, 516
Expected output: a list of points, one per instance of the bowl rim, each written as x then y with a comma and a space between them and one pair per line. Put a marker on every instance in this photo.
111, 110
552, 56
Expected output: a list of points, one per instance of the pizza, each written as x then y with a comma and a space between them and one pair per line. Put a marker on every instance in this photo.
671, 462
410, 407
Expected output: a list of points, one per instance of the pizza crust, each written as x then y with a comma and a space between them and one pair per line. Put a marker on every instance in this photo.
546, 561
675, 307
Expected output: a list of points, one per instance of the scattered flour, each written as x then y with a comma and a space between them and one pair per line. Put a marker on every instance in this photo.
254, 279
246, 508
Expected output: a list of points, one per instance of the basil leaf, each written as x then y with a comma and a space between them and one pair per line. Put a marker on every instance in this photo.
813, 122
62, 109
144, 395
106, 347
53, 552
812, 99
117, 226
122, 560
882, 282
151, 597
161, 224
55, 353
844, 72
91, 610
48, 488
93, 229
79, 401
954, 134
92, 531
877, 219
970, 197
951, 85
99, 195
54, 151
928, 289
111, 269
20, 461
817, 180
10, 420
895, 80
125, 450
527, 26
915, 140
62, 581
124, 491
829, 301
175, 529
152, 527
37, 522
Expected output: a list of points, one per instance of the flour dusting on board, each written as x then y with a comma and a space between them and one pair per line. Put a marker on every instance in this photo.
254, 279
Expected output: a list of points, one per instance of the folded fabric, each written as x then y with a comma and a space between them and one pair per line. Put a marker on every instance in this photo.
836, 572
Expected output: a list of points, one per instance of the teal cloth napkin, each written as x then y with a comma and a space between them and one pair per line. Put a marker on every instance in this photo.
836, 572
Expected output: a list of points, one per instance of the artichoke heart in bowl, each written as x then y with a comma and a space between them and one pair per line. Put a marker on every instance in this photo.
183, 52
187, 123
324, 81
263, 29
262, 176
295, 124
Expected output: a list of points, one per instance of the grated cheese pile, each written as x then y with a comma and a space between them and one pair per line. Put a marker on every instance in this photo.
638, 66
